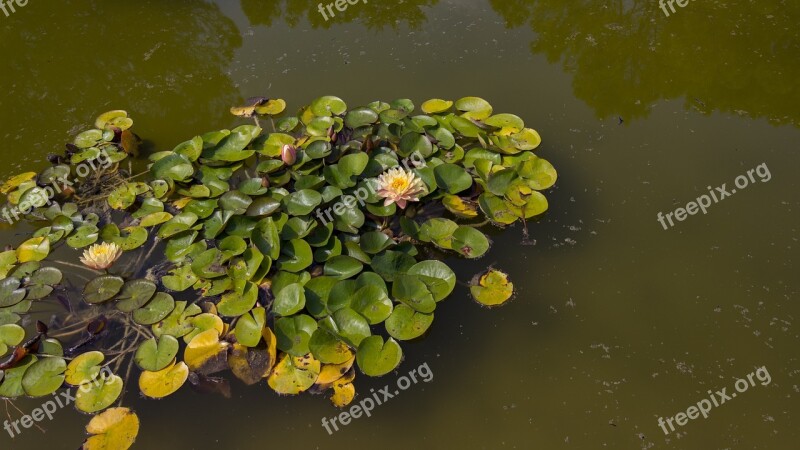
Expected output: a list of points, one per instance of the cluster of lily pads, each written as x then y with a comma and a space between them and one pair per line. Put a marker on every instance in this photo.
223, 248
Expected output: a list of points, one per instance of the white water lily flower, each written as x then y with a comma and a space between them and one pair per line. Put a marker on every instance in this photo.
101, 256
400, 186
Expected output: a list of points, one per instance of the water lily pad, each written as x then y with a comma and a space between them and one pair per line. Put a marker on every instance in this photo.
410, 290
235, 304
173, 167
452, 178
155, 310
293, 334
377, 358
249, 327
206, 353
436, 106
84, 368
296, 255
10, 292
391, 263
373, 303
405, 323
474, 108
302, 202
360, 117
44, 376
343, 267
328, 106
99, 394
84, 236
352, 326
34, 249
102, 289
128, 239
290, 300
293, 375
111, 118
329, 348
135, 294
10, 335
115, 428
271, 107
177, 323
437, 276
164, 382
470, 242
12, 381
492, 288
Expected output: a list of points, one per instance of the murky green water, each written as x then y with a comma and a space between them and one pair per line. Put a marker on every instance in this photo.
617, 322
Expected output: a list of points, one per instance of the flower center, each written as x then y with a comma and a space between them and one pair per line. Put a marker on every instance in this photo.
399, 184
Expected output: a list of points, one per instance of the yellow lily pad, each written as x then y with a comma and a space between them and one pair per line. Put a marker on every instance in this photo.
114, 429
164, 382
294, 374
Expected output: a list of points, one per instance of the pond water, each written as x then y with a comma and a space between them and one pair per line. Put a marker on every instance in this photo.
617, 321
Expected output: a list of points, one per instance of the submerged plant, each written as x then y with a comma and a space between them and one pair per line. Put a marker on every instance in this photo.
292, 255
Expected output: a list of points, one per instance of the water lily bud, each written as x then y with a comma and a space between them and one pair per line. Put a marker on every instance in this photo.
288, 154
264, 182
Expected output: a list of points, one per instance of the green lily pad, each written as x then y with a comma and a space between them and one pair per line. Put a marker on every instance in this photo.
159, 307
410, 290
470, 242
290, 300
155, 355
235, 304
250, 326
328, 106
343, 267
10, 292
12, 381
296, 255
128, 239
99, 394
405, 323
10, 335
452, 178
474, 108
173, 167
293, 334
437, 276
376, 358
102, 289
328, 348
84, 236
44, 376
352, 326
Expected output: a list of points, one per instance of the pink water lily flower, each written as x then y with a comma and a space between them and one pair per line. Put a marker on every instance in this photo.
400, 186
101, 256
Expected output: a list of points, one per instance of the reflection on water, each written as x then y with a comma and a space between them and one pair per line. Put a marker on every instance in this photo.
164, 61
373, 15
734, 56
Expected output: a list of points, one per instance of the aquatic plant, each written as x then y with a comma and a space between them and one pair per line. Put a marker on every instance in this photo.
291, 256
